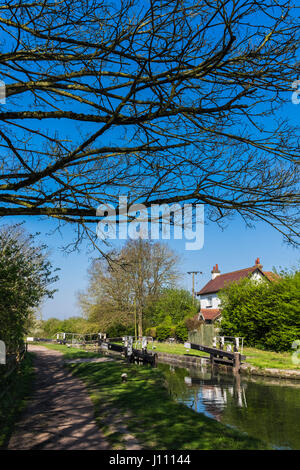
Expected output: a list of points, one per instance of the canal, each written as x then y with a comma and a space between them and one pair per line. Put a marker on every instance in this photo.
265, 408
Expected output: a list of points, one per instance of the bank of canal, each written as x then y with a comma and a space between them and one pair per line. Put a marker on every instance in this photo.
262, 407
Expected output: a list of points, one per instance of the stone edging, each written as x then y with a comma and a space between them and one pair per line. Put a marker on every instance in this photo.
177, 358
268, 372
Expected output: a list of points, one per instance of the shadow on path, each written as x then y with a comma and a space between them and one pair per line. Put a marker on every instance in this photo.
60, 415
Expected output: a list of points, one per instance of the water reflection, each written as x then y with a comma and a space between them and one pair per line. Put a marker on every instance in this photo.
261, 407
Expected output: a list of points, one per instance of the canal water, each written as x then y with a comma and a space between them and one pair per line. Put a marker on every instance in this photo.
265, 408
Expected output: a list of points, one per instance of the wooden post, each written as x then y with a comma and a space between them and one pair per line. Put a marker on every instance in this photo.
154, 359
237, 362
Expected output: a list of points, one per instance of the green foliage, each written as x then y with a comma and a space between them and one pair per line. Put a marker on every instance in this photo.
50, 327
164, 331
181, 331
151, 332
266, 314
174, 303
171, 313
118, 329
25, 273
70, 325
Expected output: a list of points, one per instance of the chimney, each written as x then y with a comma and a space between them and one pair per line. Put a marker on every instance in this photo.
257, 263
215, 272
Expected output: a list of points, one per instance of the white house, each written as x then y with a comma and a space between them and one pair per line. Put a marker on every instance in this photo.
209, 300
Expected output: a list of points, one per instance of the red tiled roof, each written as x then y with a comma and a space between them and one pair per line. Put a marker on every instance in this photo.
214, 285
271, 276
210, 313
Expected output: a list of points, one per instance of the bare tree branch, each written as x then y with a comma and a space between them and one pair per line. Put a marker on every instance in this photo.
167, 101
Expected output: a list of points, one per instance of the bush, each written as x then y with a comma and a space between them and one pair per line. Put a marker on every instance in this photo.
265, 314
118, 329
193, 323
151, 332
164, 331
181, 332
173, 304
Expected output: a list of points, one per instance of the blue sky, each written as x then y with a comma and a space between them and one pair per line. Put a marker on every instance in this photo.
234, 248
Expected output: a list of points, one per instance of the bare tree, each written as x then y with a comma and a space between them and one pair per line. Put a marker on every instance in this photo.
168, 101
120, 290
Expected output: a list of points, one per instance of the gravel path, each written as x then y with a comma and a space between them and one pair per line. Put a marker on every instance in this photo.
60, 414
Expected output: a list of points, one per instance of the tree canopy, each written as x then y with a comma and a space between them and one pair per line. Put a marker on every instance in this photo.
25, 276
164, 101
172, 306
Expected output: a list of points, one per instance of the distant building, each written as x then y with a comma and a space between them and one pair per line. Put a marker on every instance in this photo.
209, 300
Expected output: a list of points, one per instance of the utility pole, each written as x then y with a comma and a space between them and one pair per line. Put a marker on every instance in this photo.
135, 332
193, 274
140, 291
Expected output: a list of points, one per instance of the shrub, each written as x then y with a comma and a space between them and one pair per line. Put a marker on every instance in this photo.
118, 329
193, 323
151, 331
164, 332
181, 332
173, 304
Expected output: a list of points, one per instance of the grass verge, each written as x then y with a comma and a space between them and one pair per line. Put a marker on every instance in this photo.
149, 413
13, 402
270, 359
176, 348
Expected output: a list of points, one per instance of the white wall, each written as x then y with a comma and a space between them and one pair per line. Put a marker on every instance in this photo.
210, 301
257, 276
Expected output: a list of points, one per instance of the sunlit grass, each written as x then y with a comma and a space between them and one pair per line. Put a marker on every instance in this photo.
175, 348
270, 359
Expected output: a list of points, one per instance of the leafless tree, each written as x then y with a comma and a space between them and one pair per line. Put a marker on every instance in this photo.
120, 290
167, 101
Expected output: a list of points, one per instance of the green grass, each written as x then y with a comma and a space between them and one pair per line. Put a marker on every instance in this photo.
156, 420
13, 402
176, 348
270, 359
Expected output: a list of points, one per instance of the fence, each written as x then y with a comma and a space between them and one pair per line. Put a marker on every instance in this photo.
204, 335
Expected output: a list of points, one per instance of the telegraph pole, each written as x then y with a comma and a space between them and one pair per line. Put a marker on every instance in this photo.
193, 274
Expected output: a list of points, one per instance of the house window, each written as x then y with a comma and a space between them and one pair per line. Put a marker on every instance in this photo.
209, 302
